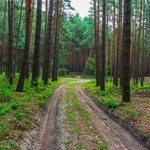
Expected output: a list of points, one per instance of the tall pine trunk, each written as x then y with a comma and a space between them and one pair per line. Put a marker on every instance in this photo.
56, 45
35, 67
48, 45
3, 41
17, 38
10, 40
143, 45
103, 46
126, 51
138, 45
20, 84
97, 50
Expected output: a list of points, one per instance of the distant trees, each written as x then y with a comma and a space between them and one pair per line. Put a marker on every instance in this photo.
124, 45
53, 42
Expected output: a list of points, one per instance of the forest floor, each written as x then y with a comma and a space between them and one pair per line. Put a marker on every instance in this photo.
73, 120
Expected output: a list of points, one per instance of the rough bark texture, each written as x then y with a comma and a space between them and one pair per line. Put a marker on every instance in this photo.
20, 84
103, 46
138, 45
17, 38
30, 22
10, 44
56, 46
3, 41
126, 52
97, 50
35, 68
48, 45
143, 46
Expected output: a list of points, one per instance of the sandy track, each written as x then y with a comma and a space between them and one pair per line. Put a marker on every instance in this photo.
48, 133
45, 134
117, 137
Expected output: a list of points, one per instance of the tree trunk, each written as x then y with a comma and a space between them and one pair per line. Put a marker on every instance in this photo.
35, 67
3, 39
56, 46
20, 84
97, 51
126, 52
48, 45
143, 45
17, 38
138, 45
10, 46
103, 46
119, 44
30, 21
114, 47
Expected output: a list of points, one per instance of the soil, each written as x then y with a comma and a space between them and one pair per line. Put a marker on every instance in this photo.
50, 131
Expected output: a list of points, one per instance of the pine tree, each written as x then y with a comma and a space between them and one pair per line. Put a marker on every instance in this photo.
126, 51
35, 67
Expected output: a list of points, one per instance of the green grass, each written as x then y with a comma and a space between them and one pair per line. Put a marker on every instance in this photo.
131, 112
111, 97
103, 145
107, 97
18, 109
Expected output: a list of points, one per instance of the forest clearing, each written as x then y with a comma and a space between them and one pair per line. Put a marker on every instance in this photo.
74, 75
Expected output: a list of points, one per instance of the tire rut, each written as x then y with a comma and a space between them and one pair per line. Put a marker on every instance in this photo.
49, 132
117, 137
45, 135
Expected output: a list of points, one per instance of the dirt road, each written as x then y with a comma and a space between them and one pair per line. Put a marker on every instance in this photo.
73, 121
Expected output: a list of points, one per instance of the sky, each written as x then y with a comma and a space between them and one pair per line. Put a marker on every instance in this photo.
81, 6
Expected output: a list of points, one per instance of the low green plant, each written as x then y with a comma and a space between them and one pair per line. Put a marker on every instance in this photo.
145, 118
4, 108
8, 145
110, 102
131, 112
103, 145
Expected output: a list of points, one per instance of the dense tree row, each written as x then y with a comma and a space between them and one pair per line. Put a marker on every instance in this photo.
122, 52
28, 45
43, 37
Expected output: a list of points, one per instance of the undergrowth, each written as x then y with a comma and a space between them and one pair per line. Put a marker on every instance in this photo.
111, 97
136, 112
107, 97
17, 110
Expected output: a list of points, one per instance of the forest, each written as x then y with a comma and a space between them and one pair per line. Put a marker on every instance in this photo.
71, 82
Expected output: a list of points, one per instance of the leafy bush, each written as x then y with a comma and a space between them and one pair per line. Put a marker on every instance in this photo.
110, 102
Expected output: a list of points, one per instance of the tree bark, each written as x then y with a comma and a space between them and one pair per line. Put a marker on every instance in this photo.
3, 39
143, 45
17, 38
48, 45
20, 84
103, 46
56, 46
10, 45
97, 50
126, 51
36, 57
